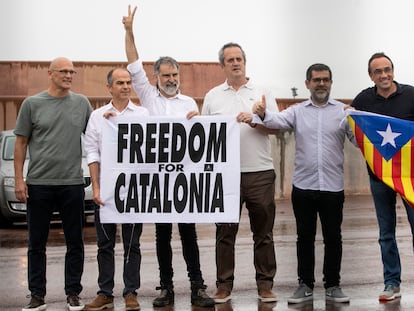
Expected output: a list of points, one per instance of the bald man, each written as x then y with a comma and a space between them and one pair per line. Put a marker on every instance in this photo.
50, 125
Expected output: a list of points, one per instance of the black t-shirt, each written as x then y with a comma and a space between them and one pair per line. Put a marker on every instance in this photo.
398, 105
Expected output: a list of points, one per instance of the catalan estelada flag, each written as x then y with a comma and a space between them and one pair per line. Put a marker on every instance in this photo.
388, 147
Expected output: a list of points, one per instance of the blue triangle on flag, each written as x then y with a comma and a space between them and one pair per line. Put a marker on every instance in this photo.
373, 125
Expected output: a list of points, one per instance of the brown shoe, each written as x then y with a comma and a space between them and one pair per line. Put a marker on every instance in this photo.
131, 302
266, 295
100, 302
222, 296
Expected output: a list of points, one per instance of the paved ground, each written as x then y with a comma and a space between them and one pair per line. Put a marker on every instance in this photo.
361, 266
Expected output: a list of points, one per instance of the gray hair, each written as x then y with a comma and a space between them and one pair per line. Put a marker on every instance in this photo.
109, 76
165, 60
230, 45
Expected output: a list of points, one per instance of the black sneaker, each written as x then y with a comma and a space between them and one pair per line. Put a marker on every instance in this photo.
165, 298
200, 298
74, 303
36, 304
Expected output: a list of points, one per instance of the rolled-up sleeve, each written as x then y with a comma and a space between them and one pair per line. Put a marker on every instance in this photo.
92, 140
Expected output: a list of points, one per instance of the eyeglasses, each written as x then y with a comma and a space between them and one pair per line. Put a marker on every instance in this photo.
386, 70
319, 80
65, 71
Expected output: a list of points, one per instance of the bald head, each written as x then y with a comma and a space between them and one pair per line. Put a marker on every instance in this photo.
60, 74
60, 62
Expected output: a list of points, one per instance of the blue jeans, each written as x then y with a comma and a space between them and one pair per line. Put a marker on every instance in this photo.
41, 203
106, 235
307, 204
190, 250
384, 201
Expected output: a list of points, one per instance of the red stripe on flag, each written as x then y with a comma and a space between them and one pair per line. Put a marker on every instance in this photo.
359, 136
377, 163
411, 178
396, 173
412, 164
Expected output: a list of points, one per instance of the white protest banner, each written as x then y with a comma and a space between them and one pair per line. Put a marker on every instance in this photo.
170, 170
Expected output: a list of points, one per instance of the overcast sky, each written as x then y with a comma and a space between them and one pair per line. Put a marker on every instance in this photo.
280, 37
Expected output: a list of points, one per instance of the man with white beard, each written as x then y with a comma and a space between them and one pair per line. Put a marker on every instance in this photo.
165, 99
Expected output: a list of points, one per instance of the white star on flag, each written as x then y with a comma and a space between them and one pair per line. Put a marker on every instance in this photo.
388, 136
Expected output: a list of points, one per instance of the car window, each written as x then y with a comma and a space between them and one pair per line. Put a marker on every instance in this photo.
8, 148
8, 151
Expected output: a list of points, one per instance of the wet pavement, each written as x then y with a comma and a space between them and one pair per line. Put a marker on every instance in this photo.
361, 266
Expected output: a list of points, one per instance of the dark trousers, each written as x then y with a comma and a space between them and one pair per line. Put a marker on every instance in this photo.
307, 204
41, 203
190, 249
257, 191
106, 235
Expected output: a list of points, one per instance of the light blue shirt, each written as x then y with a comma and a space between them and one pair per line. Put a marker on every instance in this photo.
320, 136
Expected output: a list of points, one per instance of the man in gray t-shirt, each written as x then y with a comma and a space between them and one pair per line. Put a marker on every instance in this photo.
50, 124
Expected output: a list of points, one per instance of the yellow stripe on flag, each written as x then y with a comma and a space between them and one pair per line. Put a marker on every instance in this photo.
387, 173
406, 171
369, 152
351, 123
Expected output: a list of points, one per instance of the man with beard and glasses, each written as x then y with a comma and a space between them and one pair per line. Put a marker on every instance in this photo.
165, 99
318, 181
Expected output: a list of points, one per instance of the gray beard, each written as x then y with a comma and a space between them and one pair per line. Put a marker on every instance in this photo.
170, 91
321, 98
